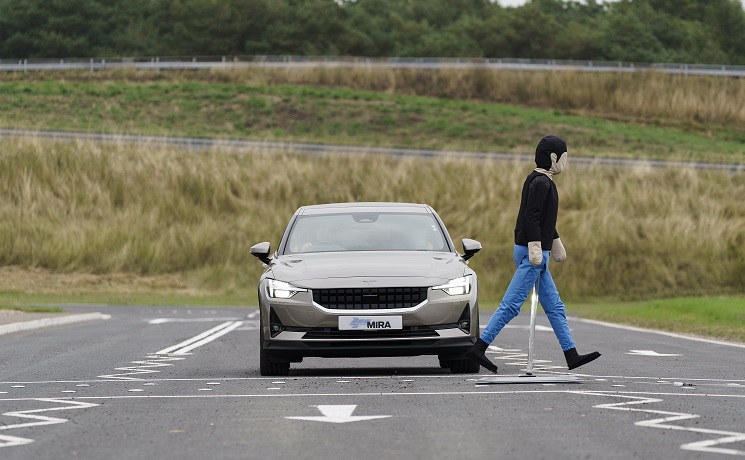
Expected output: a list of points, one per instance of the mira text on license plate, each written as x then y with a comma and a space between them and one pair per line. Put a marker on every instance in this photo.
369, 323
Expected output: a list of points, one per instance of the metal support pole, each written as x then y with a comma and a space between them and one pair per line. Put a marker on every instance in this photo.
531, 339
529, 377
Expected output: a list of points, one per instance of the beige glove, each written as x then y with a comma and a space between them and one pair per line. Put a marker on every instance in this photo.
557, 251
536, 253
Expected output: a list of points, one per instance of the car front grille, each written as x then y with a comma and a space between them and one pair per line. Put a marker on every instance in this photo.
370, 298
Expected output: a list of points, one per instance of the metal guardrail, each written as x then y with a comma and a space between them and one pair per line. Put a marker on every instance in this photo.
233, 62
248, 146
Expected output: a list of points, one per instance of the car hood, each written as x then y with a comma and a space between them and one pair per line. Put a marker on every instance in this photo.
367, 269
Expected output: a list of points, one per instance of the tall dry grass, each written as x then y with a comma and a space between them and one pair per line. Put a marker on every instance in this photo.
637, 95
149, 210
644, 96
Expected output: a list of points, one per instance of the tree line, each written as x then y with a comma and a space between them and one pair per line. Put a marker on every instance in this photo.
683, 31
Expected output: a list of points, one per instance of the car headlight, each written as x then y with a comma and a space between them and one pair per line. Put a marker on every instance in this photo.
457, 286
281, 290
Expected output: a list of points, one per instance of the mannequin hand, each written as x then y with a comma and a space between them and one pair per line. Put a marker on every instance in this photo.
557, 251
536, 253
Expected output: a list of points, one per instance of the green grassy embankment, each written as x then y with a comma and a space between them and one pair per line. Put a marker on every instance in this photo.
205, 105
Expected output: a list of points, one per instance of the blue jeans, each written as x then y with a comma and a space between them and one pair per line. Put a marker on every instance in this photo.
519, 289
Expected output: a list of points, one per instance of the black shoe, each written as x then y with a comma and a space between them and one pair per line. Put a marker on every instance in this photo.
477, 353
574, 360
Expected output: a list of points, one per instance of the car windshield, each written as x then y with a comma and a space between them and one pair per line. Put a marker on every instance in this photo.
366, 232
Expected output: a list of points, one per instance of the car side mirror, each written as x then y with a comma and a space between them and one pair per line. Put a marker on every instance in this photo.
470, 248
261, 251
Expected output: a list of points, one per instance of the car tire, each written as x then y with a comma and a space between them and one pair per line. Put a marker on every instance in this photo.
269, 367
445, 363
464, 366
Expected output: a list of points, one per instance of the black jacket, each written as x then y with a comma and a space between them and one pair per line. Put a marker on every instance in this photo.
539, 207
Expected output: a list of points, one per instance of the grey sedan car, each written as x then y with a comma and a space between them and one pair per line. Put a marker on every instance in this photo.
363, 280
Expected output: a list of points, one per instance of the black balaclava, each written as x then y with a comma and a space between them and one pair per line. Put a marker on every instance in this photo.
547, 146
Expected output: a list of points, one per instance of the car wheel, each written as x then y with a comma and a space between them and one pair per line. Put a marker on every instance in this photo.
445, 363
268, 367
464, 366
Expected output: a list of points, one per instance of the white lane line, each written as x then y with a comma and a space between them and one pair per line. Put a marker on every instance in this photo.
397, 393
723, 382
709, 445
653, 331
7, 441
195, 339
190, 320
209, 338
154, 361
649, 353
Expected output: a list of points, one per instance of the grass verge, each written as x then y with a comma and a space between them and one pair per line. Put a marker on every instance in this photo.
719, 317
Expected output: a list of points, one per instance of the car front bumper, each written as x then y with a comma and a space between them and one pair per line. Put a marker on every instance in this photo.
298, 327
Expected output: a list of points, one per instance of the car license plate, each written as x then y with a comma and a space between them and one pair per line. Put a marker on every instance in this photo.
370, 323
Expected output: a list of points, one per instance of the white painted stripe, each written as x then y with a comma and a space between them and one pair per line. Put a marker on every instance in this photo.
190, 320
195, 338
49, 322
43, 420
209, 339
420, 377
8, 441
654, 331
400, 393
709, 445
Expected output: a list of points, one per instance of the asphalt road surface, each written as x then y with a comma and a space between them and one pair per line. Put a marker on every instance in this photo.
183, 383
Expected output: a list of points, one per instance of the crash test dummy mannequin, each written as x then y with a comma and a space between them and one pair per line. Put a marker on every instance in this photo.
535, 238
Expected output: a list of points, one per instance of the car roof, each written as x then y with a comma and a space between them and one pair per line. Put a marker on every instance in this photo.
332, 208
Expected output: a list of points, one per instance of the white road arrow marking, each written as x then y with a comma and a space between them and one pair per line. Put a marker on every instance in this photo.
338, 414
649, 353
